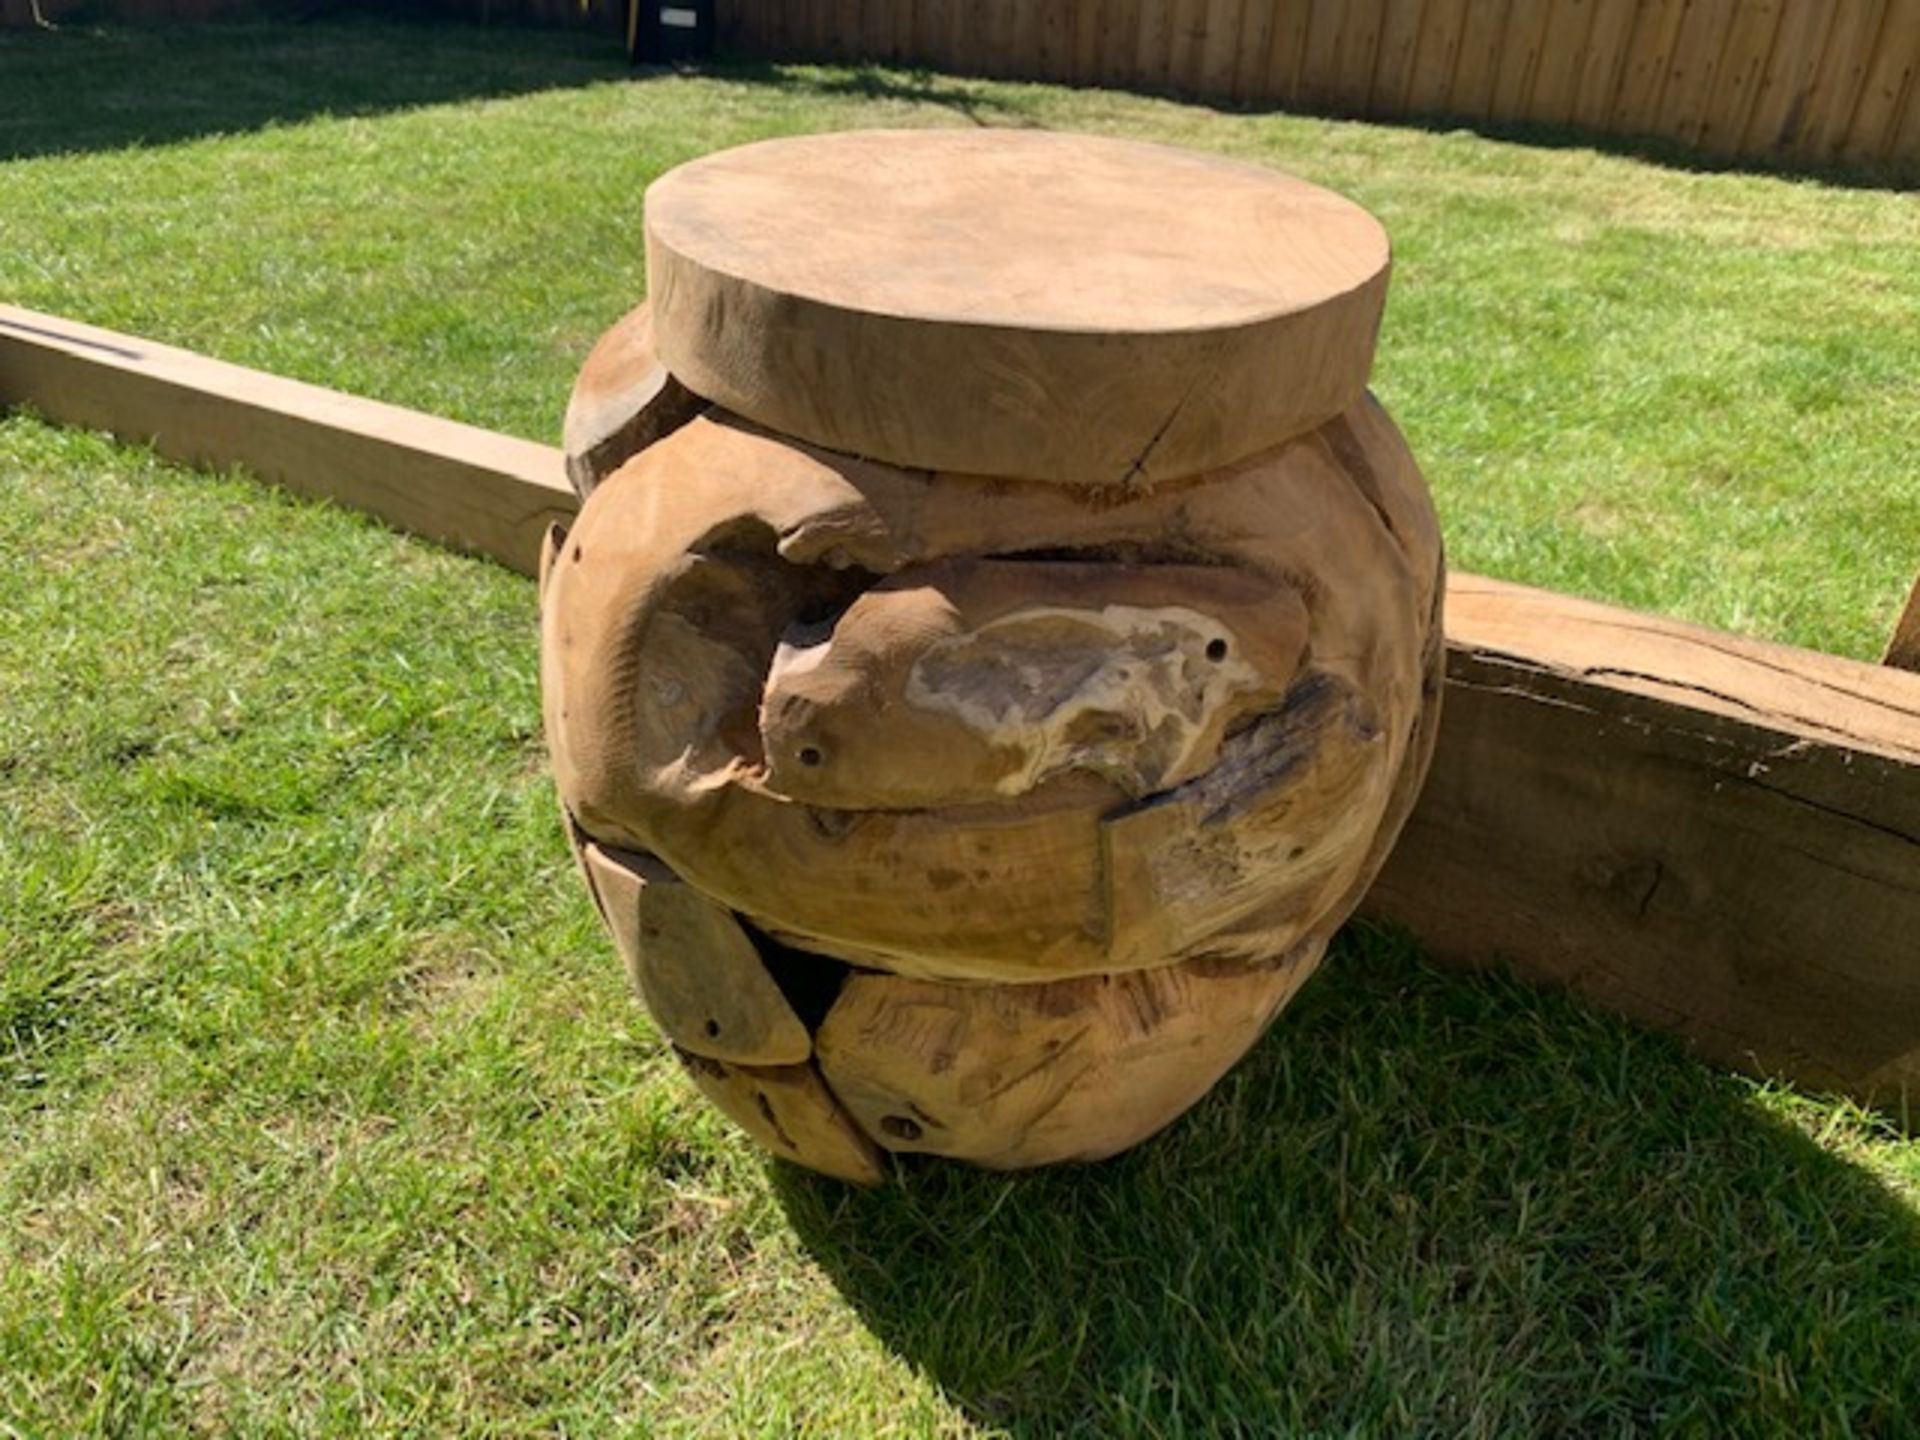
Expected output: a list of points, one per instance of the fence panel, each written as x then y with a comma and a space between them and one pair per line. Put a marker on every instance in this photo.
1813, 79
1806, 79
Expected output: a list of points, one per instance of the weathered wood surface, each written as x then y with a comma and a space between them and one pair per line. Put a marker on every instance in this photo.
622, 401
1903, 646
1813, 80
1023, 509
472, 489
932, 316
1778, 928
790, 1111
967, 729
1715, 836
1014, 1075
700, 976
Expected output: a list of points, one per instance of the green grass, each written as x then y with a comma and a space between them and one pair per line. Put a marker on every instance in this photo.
323, 1108
1682, 391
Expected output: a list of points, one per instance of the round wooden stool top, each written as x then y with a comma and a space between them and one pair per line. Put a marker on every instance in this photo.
1014, 303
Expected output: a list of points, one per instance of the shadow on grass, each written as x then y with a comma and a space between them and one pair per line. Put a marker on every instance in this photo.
860, 81
965, 96
1427, 1204
1672, 155
84, 87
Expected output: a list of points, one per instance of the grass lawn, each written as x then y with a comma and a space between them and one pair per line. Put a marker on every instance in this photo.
322, 1105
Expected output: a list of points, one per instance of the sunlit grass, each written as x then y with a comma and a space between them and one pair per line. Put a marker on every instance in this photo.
323, 1108
1681, 391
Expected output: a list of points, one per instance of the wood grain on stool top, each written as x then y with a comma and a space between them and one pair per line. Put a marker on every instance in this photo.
1049, 307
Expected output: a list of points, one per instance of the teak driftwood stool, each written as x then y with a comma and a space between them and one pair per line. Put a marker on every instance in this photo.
1001, 640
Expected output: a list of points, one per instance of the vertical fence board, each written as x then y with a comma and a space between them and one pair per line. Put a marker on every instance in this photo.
823, 17
1905, 142
1003, 34
943, 35
1886, 86
1736, 82
1220, 46
1606, 60
1480, 45
785, 33
1189, 40
933, 33
1359, 45
876, 29
1526, 33
1286, 50
767, 33
1637, 108
1436, 54
1843, 70
1153, 55
972, 35
1256, 44
1153, 51
1786, 87
1320, 55
1393, 67
840, 30
1052, 57
733, 21
1564, 47
1696, 61
1183, 18
1029, 22
1088, 18
987, 34
1120, 42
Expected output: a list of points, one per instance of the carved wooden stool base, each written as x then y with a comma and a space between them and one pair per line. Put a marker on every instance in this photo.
1001, 639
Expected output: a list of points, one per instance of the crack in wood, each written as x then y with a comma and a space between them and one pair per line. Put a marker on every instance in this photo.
1889, 831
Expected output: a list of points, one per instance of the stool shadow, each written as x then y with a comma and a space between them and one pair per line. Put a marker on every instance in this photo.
1428, 1203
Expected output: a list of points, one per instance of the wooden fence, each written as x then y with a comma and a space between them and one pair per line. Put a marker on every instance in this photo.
1806, 79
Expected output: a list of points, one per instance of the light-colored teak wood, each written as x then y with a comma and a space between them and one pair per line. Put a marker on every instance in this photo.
1713, 835
622, 402
1903, 646
1015, 1075
478, 491
790, 1111
1094, 312
1523, 849
814, 685
1040, 630
698, 972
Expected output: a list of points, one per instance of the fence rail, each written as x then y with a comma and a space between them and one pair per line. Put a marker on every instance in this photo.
1806, 79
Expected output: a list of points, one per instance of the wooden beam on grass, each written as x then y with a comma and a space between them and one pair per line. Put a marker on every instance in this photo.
1903, 648
1717, 836
1713, 835
468, 488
